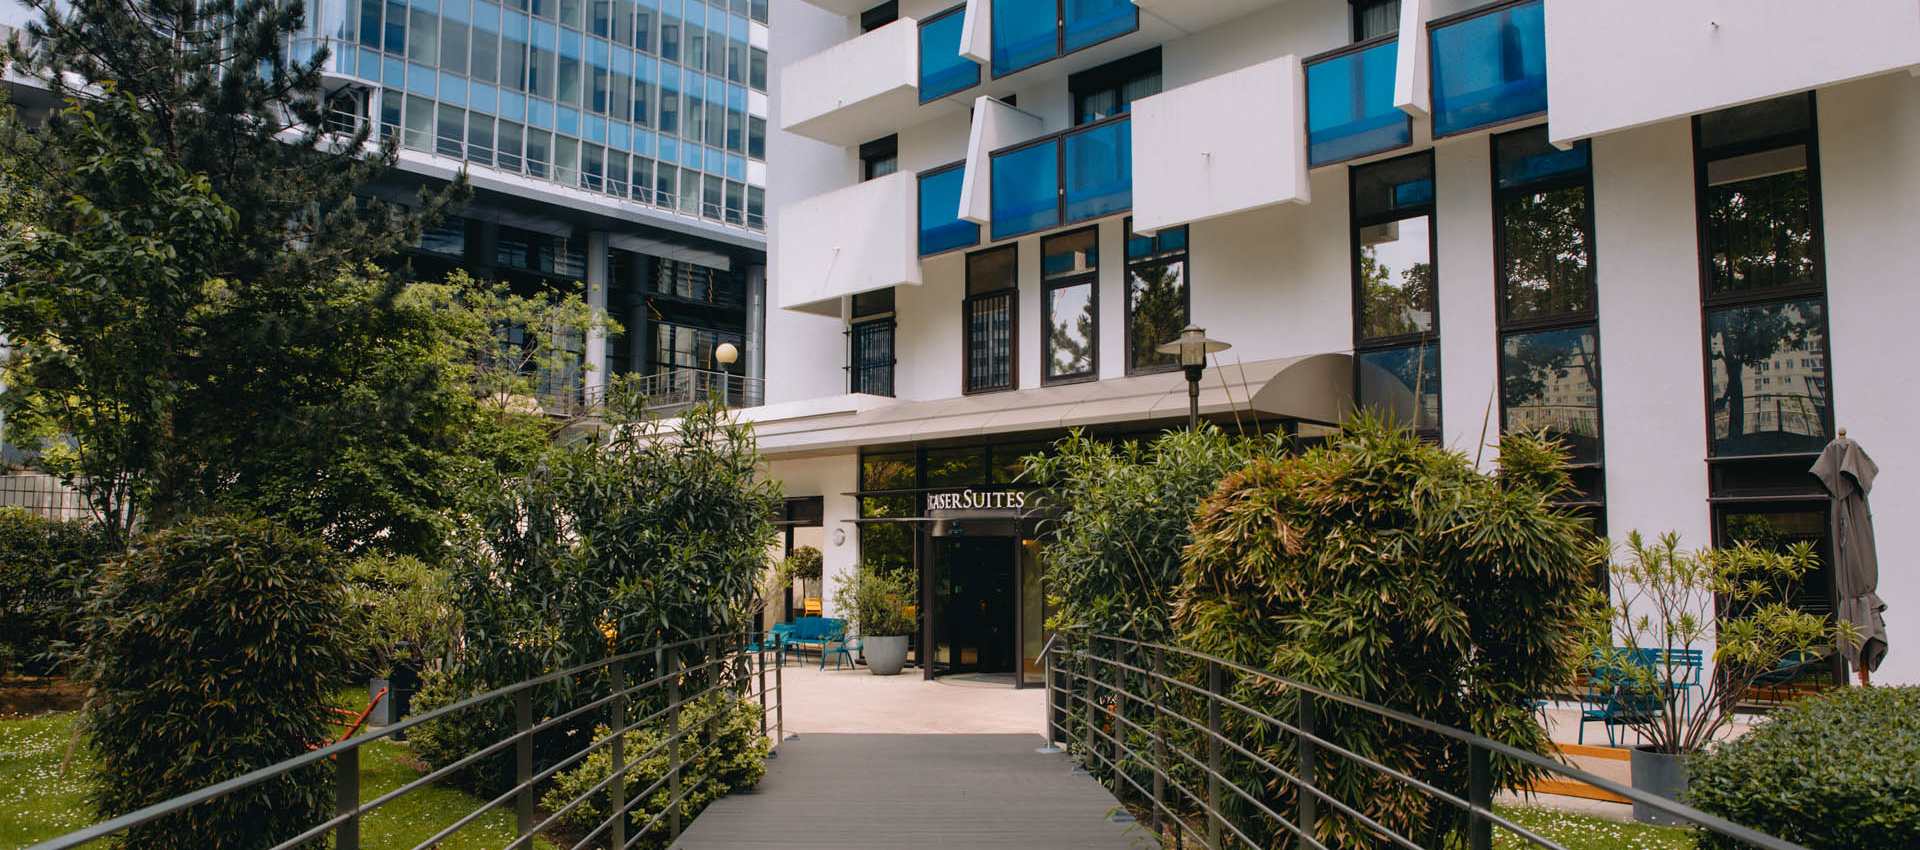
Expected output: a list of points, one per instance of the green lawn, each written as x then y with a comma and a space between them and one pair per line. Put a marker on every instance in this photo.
36, 803
1585, 832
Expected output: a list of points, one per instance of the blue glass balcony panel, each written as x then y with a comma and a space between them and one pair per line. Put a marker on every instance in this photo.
1099, 179
1026, 189
1089, 22
1489, 69
1350, 109
1025, 34
943, 70
941, 228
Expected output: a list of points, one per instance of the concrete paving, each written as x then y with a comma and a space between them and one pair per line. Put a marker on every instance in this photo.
856, 701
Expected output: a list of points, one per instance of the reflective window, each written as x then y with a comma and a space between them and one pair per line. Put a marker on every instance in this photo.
1550, 381
1372, 18
1769, 385
943, 71
1350, 111
1401, 384
1544, 227
1026, 185
941, 228
1157, 300
1395, 289
1069, 275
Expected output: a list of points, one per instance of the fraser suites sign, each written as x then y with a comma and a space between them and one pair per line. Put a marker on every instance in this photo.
977, 500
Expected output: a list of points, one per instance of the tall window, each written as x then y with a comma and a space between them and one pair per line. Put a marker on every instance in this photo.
1158, 303
870, 338
1549, 332
1763, 296
1070, 306
879, 157
991, 318
1111, 89
1374, 18
1396, 336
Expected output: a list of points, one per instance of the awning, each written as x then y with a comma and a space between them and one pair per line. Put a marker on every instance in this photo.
1314, 388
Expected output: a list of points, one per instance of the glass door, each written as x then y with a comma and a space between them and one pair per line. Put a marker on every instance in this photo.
973, 600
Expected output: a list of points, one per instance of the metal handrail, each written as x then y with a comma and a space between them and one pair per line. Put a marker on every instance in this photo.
718, 664
1091, 689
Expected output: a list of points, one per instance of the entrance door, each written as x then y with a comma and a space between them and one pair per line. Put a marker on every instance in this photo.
973, 598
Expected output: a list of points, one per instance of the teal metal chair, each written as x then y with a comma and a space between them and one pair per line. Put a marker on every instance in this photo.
848, 649
1612, 699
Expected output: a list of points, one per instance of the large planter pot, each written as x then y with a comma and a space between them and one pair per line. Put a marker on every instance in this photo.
1663, 774
885, 655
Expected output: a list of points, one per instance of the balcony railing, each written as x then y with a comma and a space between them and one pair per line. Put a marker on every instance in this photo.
1489, 67
1350, 111
1078, 175
1029, 32
941, 228
673, 390
943, 71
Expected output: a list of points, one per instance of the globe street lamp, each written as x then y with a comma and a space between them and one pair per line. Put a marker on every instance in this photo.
1192, 348
726, 354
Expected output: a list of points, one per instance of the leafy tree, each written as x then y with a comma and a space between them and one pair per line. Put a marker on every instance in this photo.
183, 259
211, 650
46, 567
1112, 554
1384, 567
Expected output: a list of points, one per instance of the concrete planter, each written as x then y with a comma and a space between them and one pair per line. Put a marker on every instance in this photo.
1664, 774
885, 655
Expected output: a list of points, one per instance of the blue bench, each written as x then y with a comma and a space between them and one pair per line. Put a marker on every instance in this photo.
818, 635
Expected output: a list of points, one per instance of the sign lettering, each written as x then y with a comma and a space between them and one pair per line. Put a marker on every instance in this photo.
977, 500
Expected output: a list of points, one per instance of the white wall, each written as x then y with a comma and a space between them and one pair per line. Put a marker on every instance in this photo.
831, 478
1469, 347
804, 351
1614, 64
1870, 183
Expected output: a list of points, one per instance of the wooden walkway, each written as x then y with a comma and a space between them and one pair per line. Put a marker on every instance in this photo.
852, 792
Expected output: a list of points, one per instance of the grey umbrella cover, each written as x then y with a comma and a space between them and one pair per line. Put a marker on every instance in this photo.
1847, 472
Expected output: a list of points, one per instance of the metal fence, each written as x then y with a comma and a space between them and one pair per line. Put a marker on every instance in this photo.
664, 678
1158, 725
43, 495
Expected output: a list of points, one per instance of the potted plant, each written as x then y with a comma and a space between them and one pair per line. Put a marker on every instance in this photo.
1669, 613
878, 606
403, 615
805, 564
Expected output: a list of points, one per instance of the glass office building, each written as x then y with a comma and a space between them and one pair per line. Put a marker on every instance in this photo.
657, 103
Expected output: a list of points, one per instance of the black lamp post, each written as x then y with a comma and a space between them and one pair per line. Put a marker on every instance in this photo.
1192, 348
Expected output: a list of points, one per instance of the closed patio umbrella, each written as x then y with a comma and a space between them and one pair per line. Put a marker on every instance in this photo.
1847, 472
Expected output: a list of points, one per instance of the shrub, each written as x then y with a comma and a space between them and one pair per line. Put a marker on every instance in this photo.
211, 650
400, 611
725, 753
876, 602
1832, 772
1112, 555
1388, 568
46, 567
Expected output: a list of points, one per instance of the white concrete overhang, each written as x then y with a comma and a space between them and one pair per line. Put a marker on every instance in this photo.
845, 7
855, 239
1617, 64
1224, 145
995, 125
856, 90
1315, 388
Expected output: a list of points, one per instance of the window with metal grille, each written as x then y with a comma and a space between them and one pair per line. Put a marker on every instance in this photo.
991, 319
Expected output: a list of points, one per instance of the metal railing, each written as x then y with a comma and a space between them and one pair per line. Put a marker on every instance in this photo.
1157, 724
669, 677
674, 390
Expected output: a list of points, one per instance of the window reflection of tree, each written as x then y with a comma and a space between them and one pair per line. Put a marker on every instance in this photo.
1070, 336
1157, 293
1740, 340
1390, 308
1538, 364
1413, 396
887, 544
1547, 253
1760, 230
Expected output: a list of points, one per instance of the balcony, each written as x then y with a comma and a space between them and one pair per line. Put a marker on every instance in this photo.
1490, 66
1223, 145
1350, 103
856, 90
1026, 33
1612, 65
941, 227
1079, 175
1197, 15
943, 70
851, 240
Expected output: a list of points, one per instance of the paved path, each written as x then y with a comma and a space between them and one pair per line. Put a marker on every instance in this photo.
860, 791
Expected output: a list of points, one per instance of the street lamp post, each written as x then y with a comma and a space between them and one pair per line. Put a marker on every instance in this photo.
1192, 348
725, 355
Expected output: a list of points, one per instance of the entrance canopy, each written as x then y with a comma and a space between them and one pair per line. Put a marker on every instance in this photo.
1313, 388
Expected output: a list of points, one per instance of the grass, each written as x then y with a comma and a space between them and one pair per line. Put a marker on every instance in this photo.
1586, 832
37, 804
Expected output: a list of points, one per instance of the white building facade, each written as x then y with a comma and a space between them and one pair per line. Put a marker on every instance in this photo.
1676, 234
